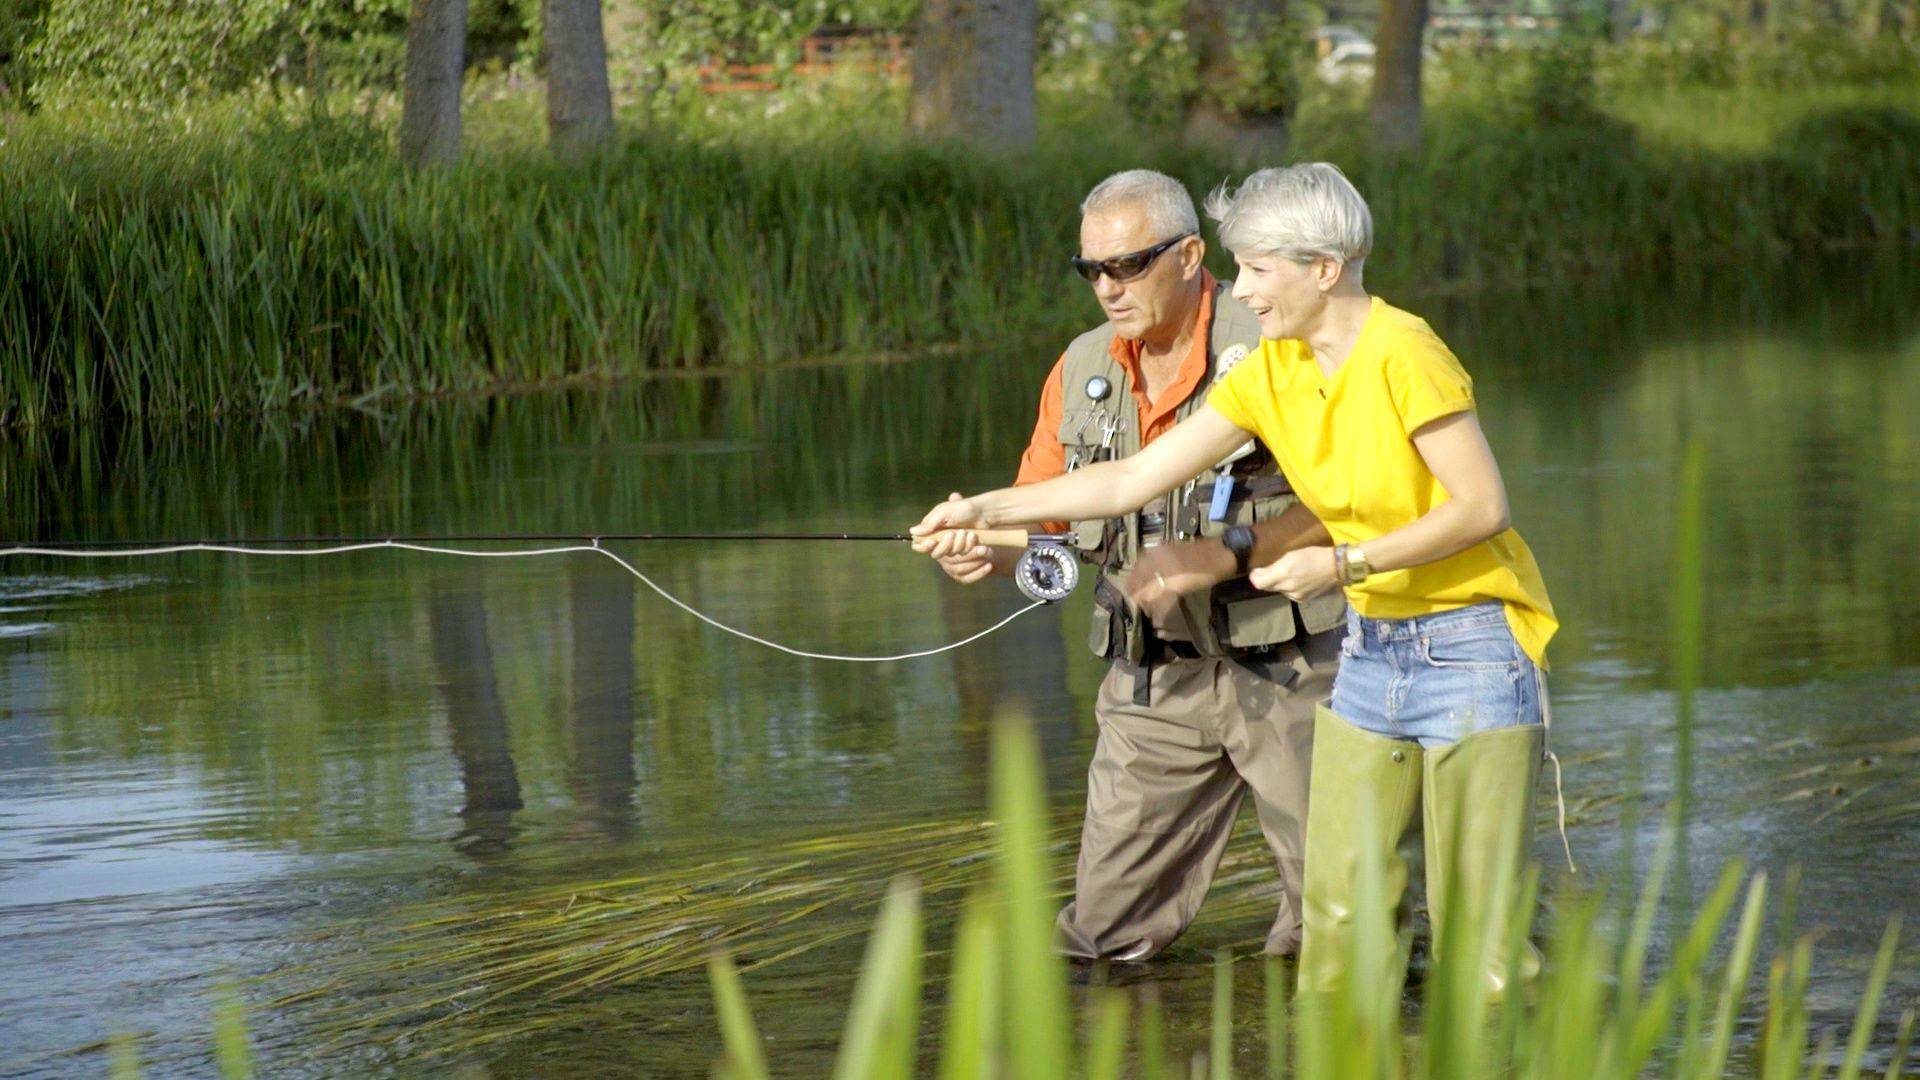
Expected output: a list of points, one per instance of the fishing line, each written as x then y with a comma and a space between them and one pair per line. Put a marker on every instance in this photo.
88, 551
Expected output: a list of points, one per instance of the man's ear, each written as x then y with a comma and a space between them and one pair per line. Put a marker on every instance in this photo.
1193, 253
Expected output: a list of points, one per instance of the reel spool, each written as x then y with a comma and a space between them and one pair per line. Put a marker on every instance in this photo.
1047, 573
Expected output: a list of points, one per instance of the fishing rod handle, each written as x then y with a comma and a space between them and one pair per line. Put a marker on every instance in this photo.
1001, 538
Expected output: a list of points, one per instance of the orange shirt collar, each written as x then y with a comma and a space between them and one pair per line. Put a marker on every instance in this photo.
1157, 416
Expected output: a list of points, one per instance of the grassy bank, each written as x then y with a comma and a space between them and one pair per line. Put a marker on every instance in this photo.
250, 259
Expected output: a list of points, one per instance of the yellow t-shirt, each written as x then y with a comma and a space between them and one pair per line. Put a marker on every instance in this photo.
1346, 446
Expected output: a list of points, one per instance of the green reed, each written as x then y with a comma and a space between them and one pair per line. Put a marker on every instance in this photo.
1596, 1011
244, 260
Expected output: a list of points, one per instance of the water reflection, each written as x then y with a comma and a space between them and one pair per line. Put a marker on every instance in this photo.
1022, 669
463, 662
600, 771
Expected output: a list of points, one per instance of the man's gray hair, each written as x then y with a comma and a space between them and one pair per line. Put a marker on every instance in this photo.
1297, 212
1166, 201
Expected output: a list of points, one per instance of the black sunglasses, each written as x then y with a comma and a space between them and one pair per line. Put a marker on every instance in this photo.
1124, 268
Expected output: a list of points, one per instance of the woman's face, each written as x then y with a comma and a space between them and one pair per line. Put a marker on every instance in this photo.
1285, 295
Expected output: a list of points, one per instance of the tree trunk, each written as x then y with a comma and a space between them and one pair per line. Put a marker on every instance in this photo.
973, 72
579, 104
430, 100
1619, 20
1215, 27
1396, 73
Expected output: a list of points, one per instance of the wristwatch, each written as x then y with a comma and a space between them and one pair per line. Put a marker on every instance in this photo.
1239, 540
1351, 562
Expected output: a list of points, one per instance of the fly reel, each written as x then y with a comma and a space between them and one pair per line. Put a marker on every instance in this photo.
1047, 571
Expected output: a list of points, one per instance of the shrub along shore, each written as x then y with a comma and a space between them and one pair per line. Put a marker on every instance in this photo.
257, 259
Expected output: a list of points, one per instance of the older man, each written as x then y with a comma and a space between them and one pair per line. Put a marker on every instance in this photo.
1216, 696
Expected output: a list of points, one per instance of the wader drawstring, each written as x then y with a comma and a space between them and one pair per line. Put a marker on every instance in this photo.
1559, 795
592, 545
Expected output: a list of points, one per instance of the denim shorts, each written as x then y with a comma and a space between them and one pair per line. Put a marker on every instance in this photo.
1435, 679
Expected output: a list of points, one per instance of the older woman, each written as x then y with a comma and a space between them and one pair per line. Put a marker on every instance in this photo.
1439, 704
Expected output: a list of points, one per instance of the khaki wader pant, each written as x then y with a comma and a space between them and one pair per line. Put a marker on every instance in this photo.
1166, 783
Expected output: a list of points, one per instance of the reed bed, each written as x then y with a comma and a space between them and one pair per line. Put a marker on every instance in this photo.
245, 263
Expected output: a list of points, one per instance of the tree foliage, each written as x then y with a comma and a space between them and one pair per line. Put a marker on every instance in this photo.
1142, 53
144, 52
656, 48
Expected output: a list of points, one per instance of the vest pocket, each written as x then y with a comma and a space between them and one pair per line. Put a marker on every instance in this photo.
1324, 612
1266, 619
1100, 633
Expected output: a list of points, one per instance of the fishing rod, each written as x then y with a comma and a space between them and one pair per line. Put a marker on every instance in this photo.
990, 537
1047, 570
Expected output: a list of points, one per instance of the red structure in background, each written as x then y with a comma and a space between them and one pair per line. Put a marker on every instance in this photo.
826, 50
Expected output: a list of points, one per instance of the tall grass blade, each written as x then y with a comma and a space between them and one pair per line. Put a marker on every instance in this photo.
1275, 977
1633, 959
1107, 1045
1901, 1041
1733, 989
745, 1056
973, 992
1153, 1037
1220, 1043
1655, 1019
124, 1048
883, 1026
1863, 1021
232, 1053
1689, 590
1039, 1026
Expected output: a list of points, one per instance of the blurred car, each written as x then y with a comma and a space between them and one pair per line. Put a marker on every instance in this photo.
1347, 62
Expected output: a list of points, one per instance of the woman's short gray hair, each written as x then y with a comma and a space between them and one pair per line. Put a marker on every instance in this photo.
1297, 212
1166, 201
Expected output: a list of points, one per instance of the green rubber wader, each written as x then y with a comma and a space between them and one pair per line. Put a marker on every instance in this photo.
1363, 797
1478, 819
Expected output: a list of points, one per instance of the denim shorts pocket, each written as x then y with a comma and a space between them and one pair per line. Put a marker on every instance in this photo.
1477, 648
1350, 645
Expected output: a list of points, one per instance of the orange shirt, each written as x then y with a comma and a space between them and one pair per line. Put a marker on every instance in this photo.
1046, 456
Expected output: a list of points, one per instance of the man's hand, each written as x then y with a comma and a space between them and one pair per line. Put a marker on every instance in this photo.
1299, 574
977, 563
1162, 575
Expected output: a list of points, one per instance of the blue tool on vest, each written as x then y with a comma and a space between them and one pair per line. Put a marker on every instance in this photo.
1222, 495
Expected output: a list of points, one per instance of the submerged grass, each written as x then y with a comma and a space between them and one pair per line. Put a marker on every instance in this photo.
235, 261
452, 977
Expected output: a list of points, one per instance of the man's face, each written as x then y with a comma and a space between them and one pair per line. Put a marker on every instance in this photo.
1286, 296
1153, 304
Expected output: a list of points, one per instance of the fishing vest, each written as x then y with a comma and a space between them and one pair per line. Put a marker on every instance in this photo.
1234, 617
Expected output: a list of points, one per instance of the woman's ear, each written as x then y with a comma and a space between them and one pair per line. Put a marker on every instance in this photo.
1326, 272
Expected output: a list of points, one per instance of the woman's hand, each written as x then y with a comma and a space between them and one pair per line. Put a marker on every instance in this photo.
947, 530
1162, 575
1299, 574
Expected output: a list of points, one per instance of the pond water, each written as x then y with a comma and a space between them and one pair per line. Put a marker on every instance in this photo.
345, 788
